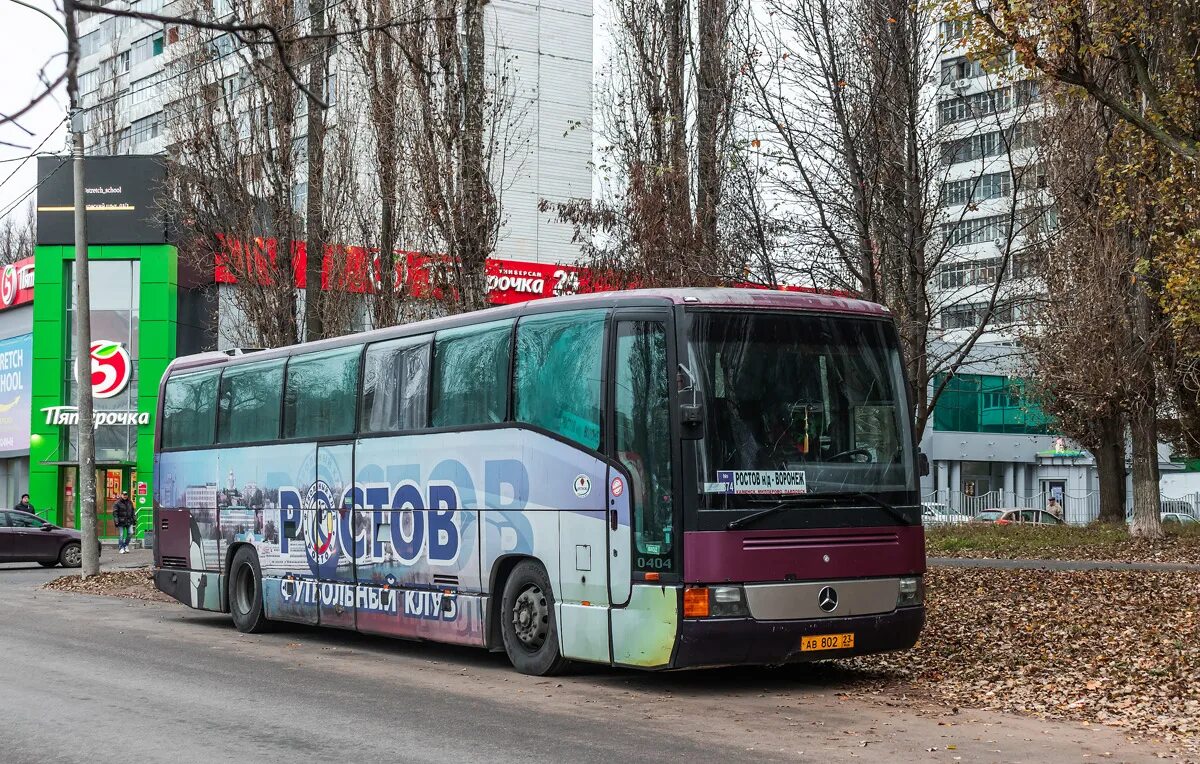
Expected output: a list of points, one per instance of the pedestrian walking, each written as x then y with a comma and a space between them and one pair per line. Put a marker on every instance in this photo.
24, 505
125, 516
1054, 508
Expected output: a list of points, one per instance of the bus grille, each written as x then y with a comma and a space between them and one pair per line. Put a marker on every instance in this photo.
174, 562
440, 580
751, 544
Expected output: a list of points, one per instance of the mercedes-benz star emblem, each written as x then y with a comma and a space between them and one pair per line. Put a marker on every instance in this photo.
827, 599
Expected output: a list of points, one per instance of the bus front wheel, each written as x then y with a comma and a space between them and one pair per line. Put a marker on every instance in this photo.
245, 592
527, 622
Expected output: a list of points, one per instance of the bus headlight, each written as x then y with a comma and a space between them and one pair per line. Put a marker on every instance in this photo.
727, 602
912, 591
714, 602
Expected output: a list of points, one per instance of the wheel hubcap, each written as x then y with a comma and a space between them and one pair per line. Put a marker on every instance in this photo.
531, 618
72, 555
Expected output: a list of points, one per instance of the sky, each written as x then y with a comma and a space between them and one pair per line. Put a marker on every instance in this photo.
28, 42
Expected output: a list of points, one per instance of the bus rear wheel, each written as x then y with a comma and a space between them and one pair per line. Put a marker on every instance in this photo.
245, 592
527, 622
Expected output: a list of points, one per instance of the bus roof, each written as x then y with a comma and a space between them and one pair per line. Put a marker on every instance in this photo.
768, 299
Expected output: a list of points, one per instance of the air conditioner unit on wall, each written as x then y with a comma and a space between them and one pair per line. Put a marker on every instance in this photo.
961, 84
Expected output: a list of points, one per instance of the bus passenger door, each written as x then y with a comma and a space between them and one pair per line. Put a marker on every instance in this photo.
639, 495
337, 535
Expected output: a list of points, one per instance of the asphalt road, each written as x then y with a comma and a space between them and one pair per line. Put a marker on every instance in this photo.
102, 679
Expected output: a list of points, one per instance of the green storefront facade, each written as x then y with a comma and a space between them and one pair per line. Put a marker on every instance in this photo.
134, 306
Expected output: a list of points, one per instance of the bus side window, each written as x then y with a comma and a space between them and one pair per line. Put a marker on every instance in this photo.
190, 410
643, 436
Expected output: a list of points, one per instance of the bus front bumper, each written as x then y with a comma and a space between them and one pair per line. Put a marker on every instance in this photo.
746, 641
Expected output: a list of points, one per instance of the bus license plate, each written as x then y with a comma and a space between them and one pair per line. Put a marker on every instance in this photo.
826, 642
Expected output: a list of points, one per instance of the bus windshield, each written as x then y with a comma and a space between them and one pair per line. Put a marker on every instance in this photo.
797, 403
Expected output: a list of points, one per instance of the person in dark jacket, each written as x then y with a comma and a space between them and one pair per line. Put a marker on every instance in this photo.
125, 516
24, 506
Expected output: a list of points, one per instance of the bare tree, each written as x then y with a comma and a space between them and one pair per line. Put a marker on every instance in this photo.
18, 235
1081, 341
857, 148
388, 208
666, 114
237, 153
460, 138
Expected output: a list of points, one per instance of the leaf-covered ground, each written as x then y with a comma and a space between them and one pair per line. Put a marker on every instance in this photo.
1095, 542
136, 584
1120, 648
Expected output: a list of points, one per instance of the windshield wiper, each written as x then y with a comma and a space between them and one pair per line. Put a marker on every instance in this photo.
810, 497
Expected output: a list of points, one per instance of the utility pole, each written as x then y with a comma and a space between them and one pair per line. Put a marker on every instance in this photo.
83, 314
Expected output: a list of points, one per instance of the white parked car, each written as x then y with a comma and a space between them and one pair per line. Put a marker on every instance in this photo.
936, 513
1177, 518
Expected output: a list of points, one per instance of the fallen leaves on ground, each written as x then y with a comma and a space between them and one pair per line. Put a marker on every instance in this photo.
135, 584
1120, 648
1094, 542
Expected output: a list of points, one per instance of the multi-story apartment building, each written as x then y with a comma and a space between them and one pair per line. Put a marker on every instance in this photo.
988, 444
547, 45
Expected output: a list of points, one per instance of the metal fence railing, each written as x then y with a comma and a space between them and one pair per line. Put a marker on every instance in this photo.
946, 506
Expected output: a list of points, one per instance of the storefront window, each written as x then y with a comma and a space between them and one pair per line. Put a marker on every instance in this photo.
988, 403
114, 312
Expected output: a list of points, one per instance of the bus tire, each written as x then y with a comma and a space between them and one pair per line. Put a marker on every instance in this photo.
527, 621
246, 592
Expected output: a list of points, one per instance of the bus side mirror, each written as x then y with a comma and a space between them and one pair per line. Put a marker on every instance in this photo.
922, 463
691, 417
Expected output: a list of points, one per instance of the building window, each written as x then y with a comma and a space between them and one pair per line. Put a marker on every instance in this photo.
146, 48
969, 273
994, 228
970, 316
91, 43
988, 403
975, 105
990, 144
146, 129
223, 45
954, 30
980, 188
89, 82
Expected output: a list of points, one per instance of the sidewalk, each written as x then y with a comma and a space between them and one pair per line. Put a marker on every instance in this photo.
137, 558
974, 562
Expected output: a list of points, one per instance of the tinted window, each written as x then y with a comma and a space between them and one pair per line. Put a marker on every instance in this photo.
643, 436
395, 385
557, 378
470, 374
190, 410
321, 392
22, 520
249, 403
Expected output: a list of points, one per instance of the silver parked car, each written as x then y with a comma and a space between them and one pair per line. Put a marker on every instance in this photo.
936, 513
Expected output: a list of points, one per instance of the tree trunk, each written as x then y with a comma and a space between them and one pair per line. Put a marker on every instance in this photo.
314, 228
1110, 467
1143, 422
475, 219
711, 105
1146, 500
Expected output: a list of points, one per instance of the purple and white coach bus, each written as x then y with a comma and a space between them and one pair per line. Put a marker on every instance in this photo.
655, 478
